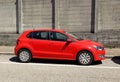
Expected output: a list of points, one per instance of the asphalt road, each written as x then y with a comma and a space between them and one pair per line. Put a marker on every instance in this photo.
39, 70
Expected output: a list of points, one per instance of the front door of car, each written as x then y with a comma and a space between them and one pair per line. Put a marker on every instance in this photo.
59, 47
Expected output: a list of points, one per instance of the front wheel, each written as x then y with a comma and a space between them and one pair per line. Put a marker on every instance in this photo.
24, 56
84, 58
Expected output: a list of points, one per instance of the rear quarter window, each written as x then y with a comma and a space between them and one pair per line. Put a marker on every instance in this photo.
30, 35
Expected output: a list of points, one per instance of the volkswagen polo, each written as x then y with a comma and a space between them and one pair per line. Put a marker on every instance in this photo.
57, 44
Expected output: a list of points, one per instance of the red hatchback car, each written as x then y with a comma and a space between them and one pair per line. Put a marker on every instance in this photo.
57, 44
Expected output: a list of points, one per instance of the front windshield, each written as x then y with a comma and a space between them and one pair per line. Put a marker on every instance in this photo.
73, 36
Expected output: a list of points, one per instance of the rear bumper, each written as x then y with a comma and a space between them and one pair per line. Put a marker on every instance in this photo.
15, 50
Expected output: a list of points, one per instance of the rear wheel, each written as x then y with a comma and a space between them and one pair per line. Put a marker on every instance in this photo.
24, 56
84, 58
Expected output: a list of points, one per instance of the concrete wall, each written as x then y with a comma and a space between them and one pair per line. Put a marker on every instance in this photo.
108, 14
70, 15
8, 39
7, 16
73, 15
36, 14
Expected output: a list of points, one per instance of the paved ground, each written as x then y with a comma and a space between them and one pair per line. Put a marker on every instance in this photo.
110, 52
58, 71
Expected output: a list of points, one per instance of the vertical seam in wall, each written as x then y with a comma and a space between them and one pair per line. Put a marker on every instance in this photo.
17, 18
53, 14
93, 16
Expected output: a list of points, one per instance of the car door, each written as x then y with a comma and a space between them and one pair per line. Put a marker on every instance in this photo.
40, 43
59, 47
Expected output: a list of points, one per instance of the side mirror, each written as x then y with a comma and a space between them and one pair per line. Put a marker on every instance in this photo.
69, 40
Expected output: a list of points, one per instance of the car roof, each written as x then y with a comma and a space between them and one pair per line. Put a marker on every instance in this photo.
46, 29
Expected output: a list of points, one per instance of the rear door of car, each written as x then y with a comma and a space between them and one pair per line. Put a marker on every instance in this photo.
40, 43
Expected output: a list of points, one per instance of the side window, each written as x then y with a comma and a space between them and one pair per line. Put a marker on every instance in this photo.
44, 35
38, 35
58, 36
61, 37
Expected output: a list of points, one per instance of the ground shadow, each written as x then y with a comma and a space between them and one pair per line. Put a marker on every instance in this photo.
50, 61
65, 62
14, 59
97, 63
116, 59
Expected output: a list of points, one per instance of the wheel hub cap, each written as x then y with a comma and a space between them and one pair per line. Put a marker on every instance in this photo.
24, 56
84, 58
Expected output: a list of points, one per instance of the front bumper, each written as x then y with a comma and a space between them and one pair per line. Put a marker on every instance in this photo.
99, 55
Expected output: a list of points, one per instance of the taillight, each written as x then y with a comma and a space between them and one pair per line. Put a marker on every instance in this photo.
17, 42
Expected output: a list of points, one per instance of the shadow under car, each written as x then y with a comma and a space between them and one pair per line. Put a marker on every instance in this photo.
52, 61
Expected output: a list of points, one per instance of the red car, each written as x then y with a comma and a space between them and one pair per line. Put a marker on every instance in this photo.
57, 44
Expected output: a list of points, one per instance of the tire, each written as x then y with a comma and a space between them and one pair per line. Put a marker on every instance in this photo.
24, 56
84, 58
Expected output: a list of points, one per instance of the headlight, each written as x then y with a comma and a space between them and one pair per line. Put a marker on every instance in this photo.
98, 47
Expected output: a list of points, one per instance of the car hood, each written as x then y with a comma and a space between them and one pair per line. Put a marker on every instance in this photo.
89, 42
